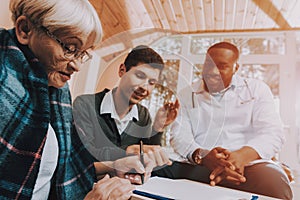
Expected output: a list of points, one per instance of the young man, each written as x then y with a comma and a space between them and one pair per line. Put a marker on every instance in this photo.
229, 129
112, 122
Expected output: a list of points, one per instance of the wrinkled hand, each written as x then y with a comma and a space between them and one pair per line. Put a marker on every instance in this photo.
165, 116
111, 188
131, 167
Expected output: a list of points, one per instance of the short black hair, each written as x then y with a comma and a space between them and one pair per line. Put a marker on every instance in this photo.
143, 54
226, 45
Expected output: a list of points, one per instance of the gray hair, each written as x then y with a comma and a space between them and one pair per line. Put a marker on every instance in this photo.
75, 17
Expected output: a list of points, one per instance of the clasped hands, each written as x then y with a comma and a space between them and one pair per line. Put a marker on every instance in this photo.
227, 166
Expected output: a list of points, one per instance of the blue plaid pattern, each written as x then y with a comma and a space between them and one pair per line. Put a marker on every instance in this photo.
27, 106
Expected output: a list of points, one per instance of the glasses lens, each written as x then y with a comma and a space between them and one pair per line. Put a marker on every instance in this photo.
84, 57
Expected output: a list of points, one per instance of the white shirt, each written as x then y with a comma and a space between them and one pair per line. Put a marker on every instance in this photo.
244, 115
47, 167
108, 106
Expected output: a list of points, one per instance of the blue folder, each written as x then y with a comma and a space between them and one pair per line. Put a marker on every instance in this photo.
150, 195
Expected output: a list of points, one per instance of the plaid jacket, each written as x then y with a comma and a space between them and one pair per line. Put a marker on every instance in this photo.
27, 106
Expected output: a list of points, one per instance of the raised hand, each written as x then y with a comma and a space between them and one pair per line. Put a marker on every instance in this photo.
165, 116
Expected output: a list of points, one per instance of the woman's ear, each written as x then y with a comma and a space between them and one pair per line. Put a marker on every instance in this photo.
23, 29
122, 70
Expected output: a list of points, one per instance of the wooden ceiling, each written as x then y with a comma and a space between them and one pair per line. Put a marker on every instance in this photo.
197, 16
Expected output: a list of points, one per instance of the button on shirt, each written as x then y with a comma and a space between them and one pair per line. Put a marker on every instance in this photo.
244, 115
108, 106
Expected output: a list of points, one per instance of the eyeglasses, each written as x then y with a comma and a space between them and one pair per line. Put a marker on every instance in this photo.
70, 51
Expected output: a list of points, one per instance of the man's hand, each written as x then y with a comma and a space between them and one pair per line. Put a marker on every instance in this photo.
154, 152
135, 149
165, 116
131, 167
221, 174
239, 158
216, 158
111, 188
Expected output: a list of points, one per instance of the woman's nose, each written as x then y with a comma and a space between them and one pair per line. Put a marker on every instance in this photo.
74, 66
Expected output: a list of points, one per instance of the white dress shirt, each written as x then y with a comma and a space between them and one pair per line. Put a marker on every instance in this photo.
242, 115
108, 106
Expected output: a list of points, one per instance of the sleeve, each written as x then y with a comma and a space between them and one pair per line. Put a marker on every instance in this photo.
181, 134
150, 137
87, 126
268, 137
155, 138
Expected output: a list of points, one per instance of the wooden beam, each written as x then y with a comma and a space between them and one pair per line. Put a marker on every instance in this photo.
169, 12
239, 14
189, 14
152, 13
161, 14
229, 14
219, 14
270, 9
180, 15
241, 31
199, 14
208, 13
250, 15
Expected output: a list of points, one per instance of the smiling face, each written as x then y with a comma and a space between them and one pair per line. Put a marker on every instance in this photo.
137, 83
218, 69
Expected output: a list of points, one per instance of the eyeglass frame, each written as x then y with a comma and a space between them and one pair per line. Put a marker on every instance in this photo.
76, 54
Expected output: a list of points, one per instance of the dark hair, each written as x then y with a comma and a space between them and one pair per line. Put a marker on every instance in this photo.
145, 55
226, 45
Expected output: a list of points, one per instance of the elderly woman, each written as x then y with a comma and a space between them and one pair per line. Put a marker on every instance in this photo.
40, 157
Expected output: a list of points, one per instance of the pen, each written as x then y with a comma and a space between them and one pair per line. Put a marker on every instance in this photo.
142, 159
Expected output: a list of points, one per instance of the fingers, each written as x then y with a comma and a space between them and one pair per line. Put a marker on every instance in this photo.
220, 174
134, 178
226, 163
135, 149
126, 164
159, 156
111, 188
216, 172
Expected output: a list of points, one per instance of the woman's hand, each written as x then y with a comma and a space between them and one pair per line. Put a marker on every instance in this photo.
111, 188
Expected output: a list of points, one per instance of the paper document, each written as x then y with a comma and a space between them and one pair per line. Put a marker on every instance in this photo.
189, 190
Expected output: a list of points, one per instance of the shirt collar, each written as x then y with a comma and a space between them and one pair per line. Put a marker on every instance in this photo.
108, 107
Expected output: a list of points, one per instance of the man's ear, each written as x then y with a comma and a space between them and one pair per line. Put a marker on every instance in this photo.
236, 67
23, 29
122, 70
